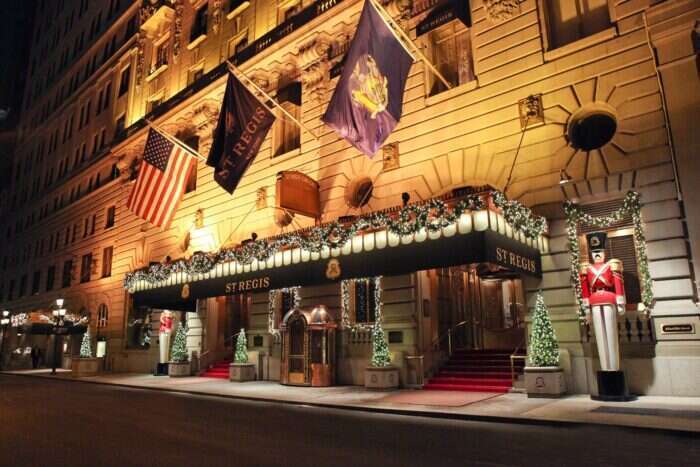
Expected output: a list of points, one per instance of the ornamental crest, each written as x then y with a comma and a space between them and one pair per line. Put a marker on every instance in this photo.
333, 270
185, 294
368, 87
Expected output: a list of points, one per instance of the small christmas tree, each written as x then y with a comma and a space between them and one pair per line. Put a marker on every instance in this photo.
179, 350
241, 355
544, 348
85, 347
380, 349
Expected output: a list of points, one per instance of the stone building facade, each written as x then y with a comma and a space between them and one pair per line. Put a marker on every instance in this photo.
523, 74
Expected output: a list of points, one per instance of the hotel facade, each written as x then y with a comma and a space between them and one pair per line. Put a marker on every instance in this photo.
549, 101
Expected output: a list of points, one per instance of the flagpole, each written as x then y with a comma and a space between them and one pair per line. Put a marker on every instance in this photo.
174, 140
394, 27
235, 70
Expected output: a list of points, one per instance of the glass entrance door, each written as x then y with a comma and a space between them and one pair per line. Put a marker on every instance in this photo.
297, 352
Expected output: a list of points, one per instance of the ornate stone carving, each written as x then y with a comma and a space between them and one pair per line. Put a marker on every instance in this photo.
140, 58
315, 81
400, 10
216, 16
501, 10
177, 35
312, 60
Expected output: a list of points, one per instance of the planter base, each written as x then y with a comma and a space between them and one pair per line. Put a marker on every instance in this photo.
241, 372
382, 377
179, 369
612, 387
545, 382
85, 367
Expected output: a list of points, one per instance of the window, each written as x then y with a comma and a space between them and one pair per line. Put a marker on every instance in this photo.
102, 316
194, 74
50, 277
449, 47
36, 280
86, 225
22, 286
620, 245
107, 261
124, 81
364, 298
289, 9
67, 273
161, 55
85, 268
120, 126
571, 20
11, 289
92, 226
287, 135
199, 27
193, 142
110, 217
114, 173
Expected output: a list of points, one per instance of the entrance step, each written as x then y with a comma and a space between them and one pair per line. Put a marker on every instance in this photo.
476, 371
218, 370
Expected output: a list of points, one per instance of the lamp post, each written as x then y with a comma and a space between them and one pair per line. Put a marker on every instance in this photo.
59, 313
4, 322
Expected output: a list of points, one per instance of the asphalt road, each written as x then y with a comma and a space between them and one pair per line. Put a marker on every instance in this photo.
52, 422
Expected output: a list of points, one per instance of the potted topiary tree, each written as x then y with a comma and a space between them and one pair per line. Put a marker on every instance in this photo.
543, 375
86, 364
180, 363
240, 370
380, 374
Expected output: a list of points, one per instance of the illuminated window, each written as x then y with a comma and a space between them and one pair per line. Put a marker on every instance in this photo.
571, 20
107, 261
110, 217
287, 135
365, 302
85, 268
102, 316
449, 47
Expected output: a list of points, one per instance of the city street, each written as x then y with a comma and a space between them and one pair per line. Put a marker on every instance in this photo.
52, 422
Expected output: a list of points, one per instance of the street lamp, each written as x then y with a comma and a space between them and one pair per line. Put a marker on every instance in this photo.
4, 322
59, 313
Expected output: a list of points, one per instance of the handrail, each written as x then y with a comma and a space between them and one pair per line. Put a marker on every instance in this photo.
514, 356
447, 334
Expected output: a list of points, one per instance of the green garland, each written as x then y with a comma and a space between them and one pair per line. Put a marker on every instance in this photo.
271, 298
411, 219
345, 303
631, 206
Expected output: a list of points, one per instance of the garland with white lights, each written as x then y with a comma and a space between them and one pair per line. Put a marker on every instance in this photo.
631, 206
275, 295
345, 303
432, 216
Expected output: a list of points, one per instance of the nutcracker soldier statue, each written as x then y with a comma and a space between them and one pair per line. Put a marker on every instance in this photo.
166, 328
603, 292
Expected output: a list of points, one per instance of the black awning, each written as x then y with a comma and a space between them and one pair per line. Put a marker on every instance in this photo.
474, 247
47, 329
443, 13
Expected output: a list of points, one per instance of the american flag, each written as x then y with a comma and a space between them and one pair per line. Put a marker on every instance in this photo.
162, 178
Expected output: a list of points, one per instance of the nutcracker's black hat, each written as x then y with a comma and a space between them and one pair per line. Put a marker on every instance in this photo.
596, 241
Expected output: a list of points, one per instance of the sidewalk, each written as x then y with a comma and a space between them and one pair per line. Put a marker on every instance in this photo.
652, 412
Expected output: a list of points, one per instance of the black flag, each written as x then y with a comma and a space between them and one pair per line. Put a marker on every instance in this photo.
243, 124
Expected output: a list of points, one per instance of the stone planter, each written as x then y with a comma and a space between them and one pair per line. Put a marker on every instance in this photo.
178, 369
85, 367
386, 377
545, 381
241, 372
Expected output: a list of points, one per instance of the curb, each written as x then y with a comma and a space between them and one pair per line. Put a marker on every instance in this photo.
379, 410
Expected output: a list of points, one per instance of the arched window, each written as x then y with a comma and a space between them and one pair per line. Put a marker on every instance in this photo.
102, 316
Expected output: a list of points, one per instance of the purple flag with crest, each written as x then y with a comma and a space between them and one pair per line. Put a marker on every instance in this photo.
368, 99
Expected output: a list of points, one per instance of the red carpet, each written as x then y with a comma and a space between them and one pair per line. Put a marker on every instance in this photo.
217, 370
476, 371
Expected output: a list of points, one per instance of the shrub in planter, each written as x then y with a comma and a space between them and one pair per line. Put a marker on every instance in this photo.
380, 374
180, 364
240, 369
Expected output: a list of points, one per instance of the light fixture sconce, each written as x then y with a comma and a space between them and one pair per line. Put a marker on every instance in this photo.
530, 110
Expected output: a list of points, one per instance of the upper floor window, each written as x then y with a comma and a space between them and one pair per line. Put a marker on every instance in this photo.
193, 142
449, 48
288, 9
107, 261
50, 278
36, 280
22, 286
86, 268
110, 217
286, 133
124, 80
199, 26
571, 20
160, 57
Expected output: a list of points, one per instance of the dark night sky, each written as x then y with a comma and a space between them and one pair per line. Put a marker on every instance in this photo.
15, 34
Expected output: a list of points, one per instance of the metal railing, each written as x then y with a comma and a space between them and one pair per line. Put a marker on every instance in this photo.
449, 334
514, 356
